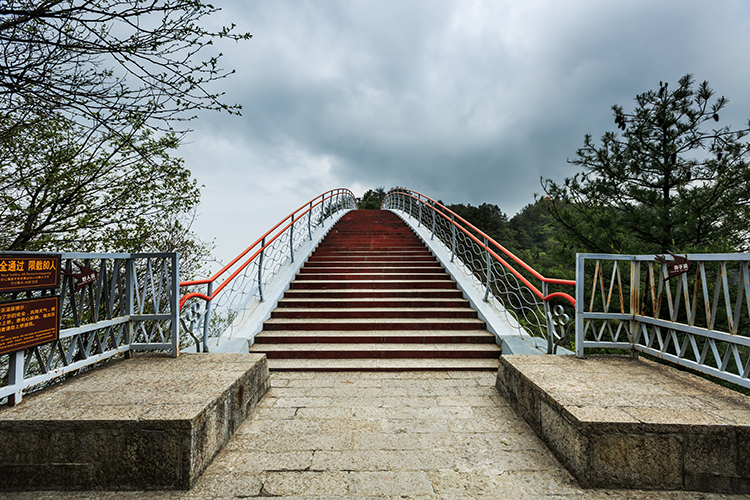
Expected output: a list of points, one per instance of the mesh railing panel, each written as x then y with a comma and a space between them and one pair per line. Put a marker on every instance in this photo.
699, 319
508, 288
245, 283
132, 304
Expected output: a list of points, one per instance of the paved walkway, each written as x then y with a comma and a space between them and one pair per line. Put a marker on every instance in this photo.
384, 435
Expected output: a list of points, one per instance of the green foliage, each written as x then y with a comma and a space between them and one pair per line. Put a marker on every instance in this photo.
65, 189
530, 235
110, 63
372, 199
666, 181
89, 95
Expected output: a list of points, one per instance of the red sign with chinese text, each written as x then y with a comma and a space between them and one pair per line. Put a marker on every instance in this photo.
28, 323
29, 272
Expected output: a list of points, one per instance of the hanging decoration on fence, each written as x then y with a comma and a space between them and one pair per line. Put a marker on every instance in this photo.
680, 265
86, 277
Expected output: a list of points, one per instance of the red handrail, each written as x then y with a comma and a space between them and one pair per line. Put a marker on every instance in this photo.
308, 206
534, 272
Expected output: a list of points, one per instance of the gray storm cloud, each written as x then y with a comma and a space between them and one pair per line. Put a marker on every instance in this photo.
466, 101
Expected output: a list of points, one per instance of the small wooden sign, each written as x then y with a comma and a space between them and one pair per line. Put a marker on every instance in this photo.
680, 265
28, 323
29, 272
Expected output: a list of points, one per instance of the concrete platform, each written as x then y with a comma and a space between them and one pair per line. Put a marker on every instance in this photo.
150, 422
443, 435
616, 422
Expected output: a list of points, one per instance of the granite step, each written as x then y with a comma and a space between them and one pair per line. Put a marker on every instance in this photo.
384, 365
376, 302
377, 275
374, 313
375, 350
373, 324
370, 284
376, 336
357, 294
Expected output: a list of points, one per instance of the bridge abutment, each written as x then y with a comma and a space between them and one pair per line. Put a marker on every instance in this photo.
617, 422
147, 423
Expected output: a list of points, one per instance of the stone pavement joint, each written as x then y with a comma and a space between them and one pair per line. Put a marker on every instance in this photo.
386, 435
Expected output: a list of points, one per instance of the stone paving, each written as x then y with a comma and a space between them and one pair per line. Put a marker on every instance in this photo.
330, 435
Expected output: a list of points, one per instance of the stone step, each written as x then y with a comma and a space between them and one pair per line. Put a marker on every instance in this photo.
437, 274
370, 284
337, 264
384, 268
354, 294
373, 324
375, 350
373, 257
376, 336
372, 302
401, 364
374, 313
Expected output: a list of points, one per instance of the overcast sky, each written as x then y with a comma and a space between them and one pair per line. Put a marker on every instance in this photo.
465, 101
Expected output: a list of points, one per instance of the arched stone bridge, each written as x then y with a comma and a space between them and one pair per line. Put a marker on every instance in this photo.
410, 356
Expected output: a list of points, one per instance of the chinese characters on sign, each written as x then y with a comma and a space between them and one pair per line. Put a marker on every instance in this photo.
679, 265
28, 323
25, 273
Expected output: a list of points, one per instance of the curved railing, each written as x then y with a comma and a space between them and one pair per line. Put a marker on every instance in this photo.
509, 283
240, 285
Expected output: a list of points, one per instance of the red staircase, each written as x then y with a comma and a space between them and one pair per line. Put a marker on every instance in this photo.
373, 297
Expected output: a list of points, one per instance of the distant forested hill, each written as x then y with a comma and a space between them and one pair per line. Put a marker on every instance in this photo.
530, 235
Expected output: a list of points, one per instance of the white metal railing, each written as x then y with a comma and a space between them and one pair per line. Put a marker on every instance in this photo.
236, 290
132, 304
544, 311
699, 319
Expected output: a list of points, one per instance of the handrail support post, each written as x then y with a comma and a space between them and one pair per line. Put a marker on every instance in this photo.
291, 239
309, 216
207, 315
453, 237
432, 236
489, 270
550, 322
260, 269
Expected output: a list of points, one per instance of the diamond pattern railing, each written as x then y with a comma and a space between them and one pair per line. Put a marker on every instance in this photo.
238, 288
532, 303
131, 305
699, 319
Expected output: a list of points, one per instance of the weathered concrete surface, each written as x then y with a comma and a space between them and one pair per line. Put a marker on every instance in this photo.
417, 435
624, 423
150, 422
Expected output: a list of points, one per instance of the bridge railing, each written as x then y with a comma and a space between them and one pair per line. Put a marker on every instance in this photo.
130, 303
699, 319
213, 305
535, 304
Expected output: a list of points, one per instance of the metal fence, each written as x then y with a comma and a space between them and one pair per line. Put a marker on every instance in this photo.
217, 304
699, 319
544, 311
132, 304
